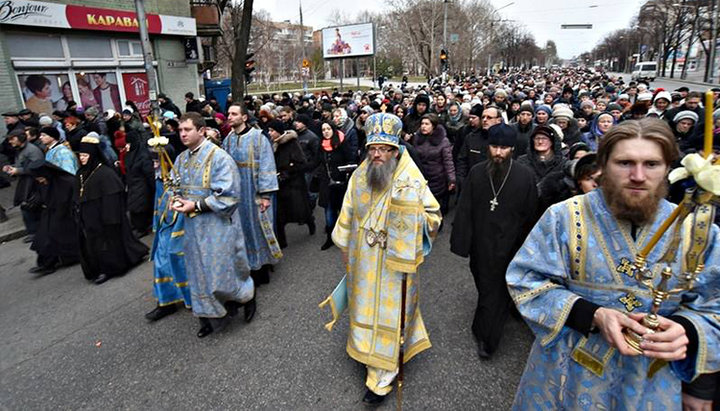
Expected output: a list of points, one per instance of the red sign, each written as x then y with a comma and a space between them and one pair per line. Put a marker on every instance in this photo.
92, 18
137, 89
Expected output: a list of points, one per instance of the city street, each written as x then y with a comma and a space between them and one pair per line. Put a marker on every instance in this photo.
69, 344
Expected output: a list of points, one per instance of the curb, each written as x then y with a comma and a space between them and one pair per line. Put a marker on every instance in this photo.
13, 235
697, 83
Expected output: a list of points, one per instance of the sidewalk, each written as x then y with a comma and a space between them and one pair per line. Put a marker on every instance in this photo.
14, 227
688, 81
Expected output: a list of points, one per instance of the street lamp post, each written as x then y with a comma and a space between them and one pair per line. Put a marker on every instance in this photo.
492, 32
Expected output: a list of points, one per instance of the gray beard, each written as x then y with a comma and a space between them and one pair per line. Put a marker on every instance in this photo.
380, 176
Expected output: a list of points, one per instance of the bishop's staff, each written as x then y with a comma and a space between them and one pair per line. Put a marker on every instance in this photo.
700, 202
401, 354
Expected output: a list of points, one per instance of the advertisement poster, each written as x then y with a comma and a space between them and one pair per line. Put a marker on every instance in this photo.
45, 93
137, 91
99, 90
348, 41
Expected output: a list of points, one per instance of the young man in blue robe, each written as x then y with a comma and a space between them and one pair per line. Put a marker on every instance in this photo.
170, 282
255, 162
215, 257
574, 284
57, 153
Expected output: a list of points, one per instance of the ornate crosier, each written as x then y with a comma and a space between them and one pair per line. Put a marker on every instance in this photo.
170, 179
699, 204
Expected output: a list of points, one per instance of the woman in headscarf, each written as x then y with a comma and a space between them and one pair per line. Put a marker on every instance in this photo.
598, 128
107, 246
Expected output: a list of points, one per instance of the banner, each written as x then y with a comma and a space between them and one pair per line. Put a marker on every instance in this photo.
137, 90
45, 93
348, 41
99, 90
43, 14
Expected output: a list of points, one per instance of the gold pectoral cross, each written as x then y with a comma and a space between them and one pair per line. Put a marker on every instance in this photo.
625, 267
630, 302
493, 204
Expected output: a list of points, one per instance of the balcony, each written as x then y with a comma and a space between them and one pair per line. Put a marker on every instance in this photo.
207, 17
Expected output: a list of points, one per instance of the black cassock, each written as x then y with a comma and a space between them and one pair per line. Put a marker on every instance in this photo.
491, 238
55, 241
107, 245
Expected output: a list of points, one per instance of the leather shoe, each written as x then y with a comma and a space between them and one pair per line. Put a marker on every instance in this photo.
161, 312
482, 352
42, 270
29, 239
250, 309
101, 279
372, 398
311, 226
205, 329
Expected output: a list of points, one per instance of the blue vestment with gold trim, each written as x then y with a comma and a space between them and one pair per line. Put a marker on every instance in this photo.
579, 249
255, 162
170, 284
214, 247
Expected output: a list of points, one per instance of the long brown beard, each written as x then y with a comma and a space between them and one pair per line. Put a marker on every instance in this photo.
498, 171
379, 176
639, 211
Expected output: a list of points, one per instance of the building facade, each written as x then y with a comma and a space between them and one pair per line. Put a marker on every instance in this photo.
89, 51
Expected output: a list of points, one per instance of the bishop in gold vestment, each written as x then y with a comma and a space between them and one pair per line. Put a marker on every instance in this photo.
385, 230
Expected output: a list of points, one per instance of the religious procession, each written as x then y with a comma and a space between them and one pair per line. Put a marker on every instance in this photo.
314, 244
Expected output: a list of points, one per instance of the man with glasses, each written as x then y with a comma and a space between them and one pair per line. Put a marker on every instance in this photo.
474, 148
387, 222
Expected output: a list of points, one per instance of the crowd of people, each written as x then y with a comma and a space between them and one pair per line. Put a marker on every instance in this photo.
508, 151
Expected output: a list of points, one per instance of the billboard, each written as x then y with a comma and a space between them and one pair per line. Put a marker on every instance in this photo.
348, 41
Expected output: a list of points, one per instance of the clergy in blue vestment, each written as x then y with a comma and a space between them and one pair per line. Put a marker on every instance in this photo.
573, 282
170, 283
253, 155
215, 257
57, 153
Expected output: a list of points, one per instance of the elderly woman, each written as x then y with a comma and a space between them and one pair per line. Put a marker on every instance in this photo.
435, 154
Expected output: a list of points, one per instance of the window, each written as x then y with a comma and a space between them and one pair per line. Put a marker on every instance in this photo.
129, 48
34, 45
89, 47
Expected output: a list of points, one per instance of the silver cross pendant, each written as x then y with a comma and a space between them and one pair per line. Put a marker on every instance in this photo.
493, 204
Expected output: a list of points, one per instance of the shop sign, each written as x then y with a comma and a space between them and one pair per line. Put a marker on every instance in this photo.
137, 89
43, 14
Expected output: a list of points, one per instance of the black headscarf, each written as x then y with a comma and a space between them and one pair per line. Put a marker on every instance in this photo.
93, 149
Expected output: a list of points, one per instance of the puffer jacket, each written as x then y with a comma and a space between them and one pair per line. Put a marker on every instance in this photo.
435, 153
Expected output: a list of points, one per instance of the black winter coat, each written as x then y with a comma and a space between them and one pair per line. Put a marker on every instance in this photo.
293, 202
140, 180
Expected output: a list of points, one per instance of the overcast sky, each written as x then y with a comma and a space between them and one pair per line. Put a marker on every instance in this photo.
541, 17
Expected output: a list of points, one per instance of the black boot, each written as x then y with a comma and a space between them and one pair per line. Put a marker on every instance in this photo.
372, 398
161, 312
328, 239
3, 216
250, 309
261, 276
311, 226
205, 328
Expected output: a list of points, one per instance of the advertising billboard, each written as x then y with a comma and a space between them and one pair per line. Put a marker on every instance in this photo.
348, 41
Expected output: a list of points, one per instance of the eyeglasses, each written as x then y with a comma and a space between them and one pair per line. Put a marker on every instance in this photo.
380, 149
541, 138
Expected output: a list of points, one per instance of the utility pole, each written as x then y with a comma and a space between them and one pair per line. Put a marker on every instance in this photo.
153, 84
242, 39
304, 56
710, 75
444, 73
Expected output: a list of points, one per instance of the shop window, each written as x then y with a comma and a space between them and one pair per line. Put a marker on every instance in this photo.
21, 45
129, 48
89, 47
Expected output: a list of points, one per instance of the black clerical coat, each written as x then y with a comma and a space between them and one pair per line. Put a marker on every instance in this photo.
107, 245
491, 238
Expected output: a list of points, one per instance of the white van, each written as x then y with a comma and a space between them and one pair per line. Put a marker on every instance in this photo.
644, 70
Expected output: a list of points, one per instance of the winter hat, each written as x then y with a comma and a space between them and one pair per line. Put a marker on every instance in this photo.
613, 106
277, 125
545, 109
367, 109
476, 110
663, 94
502, 135
220, 116
45, 121
562, 110
500, 92
526, 107
304, 118
685, 114
645, 96
587, 103
623, 96
51, 131
558, 131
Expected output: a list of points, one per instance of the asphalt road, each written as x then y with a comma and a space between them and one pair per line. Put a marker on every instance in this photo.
69, 344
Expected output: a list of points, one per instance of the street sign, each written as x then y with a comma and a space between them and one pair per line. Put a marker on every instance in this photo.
576, 26
306, 63
454, 38
305, 71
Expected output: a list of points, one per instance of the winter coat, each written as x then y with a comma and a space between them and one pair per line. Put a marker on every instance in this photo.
74, 137
542, 168
473, 151
351, 136
310, 144
293, 202
435, 154
329, 162
523, 138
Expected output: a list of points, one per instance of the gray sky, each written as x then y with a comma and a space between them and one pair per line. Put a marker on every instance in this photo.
540, 17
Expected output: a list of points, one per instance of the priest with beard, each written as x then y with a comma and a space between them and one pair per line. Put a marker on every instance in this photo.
574, 284
494, 214
385, 229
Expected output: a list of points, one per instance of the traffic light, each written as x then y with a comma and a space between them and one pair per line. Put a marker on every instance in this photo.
249, 67
444, 59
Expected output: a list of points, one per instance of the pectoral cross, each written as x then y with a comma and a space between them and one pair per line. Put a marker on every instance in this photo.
493, 204
630, 302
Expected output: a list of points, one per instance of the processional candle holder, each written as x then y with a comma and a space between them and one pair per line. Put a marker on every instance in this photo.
170, 179
699, 202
